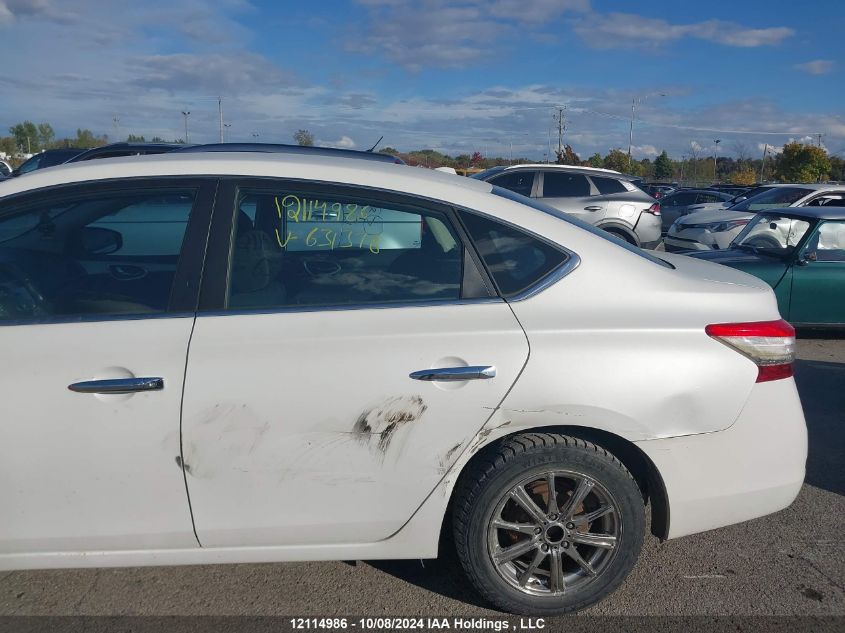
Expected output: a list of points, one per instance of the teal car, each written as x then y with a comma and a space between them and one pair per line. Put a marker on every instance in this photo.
800, 252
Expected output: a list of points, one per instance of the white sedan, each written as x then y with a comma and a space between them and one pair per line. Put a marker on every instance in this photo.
253, 357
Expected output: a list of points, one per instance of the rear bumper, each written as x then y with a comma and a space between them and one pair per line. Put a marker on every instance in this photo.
753, 468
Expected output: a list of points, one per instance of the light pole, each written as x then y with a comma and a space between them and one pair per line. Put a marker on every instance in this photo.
763, 162
716, 142
227, 126
634, 103
185, 114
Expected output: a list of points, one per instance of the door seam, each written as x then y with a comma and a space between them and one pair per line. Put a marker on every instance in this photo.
181, 447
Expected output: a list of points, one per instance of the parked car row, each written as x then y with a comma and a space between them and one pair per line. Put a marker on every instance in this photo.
717, 228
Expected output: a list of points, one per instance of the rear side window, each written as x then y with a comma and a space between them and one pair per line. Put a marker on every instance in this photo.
565, 185
519, 182
515, 259
297, 248
608, 185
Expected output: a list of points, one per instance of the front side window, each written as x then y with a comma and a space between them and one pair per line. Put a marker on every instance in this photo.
565, 185
515, 259
828, 243
108, 253
519, 182
295, 249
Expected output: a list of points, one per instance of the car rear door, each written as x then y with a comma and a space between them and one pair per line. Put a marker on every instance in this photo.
339, 366
91, 383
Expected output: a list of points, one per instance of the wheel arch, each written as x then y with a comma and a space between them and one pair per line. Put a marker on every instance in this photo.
613, 226
645, 473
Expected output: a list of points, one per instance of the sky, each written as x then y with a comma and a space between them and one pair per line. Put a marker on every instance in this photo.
457, 76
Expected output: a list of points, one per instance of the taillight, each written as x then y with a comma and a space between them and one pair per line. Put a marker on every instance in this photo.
770, 344
654, 209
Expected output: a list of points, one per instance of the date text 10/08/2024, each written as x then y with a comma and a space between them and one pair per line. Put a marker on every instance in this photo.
419, 624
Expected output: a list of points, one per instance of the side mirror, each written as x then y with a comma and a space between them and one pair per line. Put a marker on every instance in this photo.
94, 240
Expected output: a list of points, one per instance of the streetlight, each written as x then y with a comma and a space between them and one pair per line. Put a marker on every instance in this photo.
715, 151
185, 114
227, 126
634, 103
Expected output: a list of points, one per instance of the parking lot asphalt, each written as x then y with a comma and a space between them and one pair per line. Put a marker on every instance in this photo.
790, 563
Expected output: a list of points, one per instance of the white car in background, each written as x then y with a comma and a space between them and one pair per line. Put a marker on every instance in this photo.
286, 357
716, 228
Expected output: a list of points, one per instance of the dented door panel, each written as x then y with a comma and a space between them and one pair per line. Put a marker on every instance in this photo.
306, 428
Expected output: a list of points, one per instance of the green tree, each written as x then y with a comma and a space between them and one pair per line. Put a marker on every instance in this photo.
86, 138
802, 163
595, 160
616, 159
303, 137
663, 167
46, 135
567, 156
26, 136
132, 138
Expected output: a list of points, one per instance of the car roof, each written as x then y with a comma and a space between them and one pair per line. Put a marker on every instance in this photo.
815, 186
128, 147
814, 213
298, 166
596, 170
677, 191
281, 148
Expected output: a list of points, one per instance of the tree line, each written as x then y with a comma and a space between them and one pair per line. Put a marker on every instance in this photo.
795, 162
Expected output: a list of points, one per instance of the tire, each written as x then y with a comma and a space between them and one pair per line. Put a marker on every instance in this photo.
622, 236
764, 241
525, 584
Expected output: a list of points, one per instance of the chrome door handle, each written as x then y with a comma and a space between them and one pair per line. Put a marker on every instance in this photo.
118, 385
592, 208
452, 374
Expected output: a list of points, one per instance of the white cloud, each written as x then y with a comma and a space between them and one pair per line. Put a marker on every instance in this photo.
772, 149
344, 142
623, 30
817, 66
452, 33
645, 150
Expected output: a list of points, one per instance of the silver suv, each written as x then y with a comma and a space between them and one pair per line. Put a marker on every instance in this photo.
604, 198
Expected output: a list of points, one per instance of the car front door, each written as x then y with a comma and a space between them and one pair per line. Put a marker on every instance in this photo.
96, 312
338, 367
818, 278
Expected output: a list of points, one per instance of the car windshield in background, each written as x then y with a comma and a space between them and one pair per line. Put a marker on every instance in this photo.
772, 234
776, 197
484, 175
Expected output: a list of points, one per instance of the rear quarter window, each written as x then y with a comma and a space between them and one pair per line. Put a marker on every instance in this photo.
516, 260
608, 185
